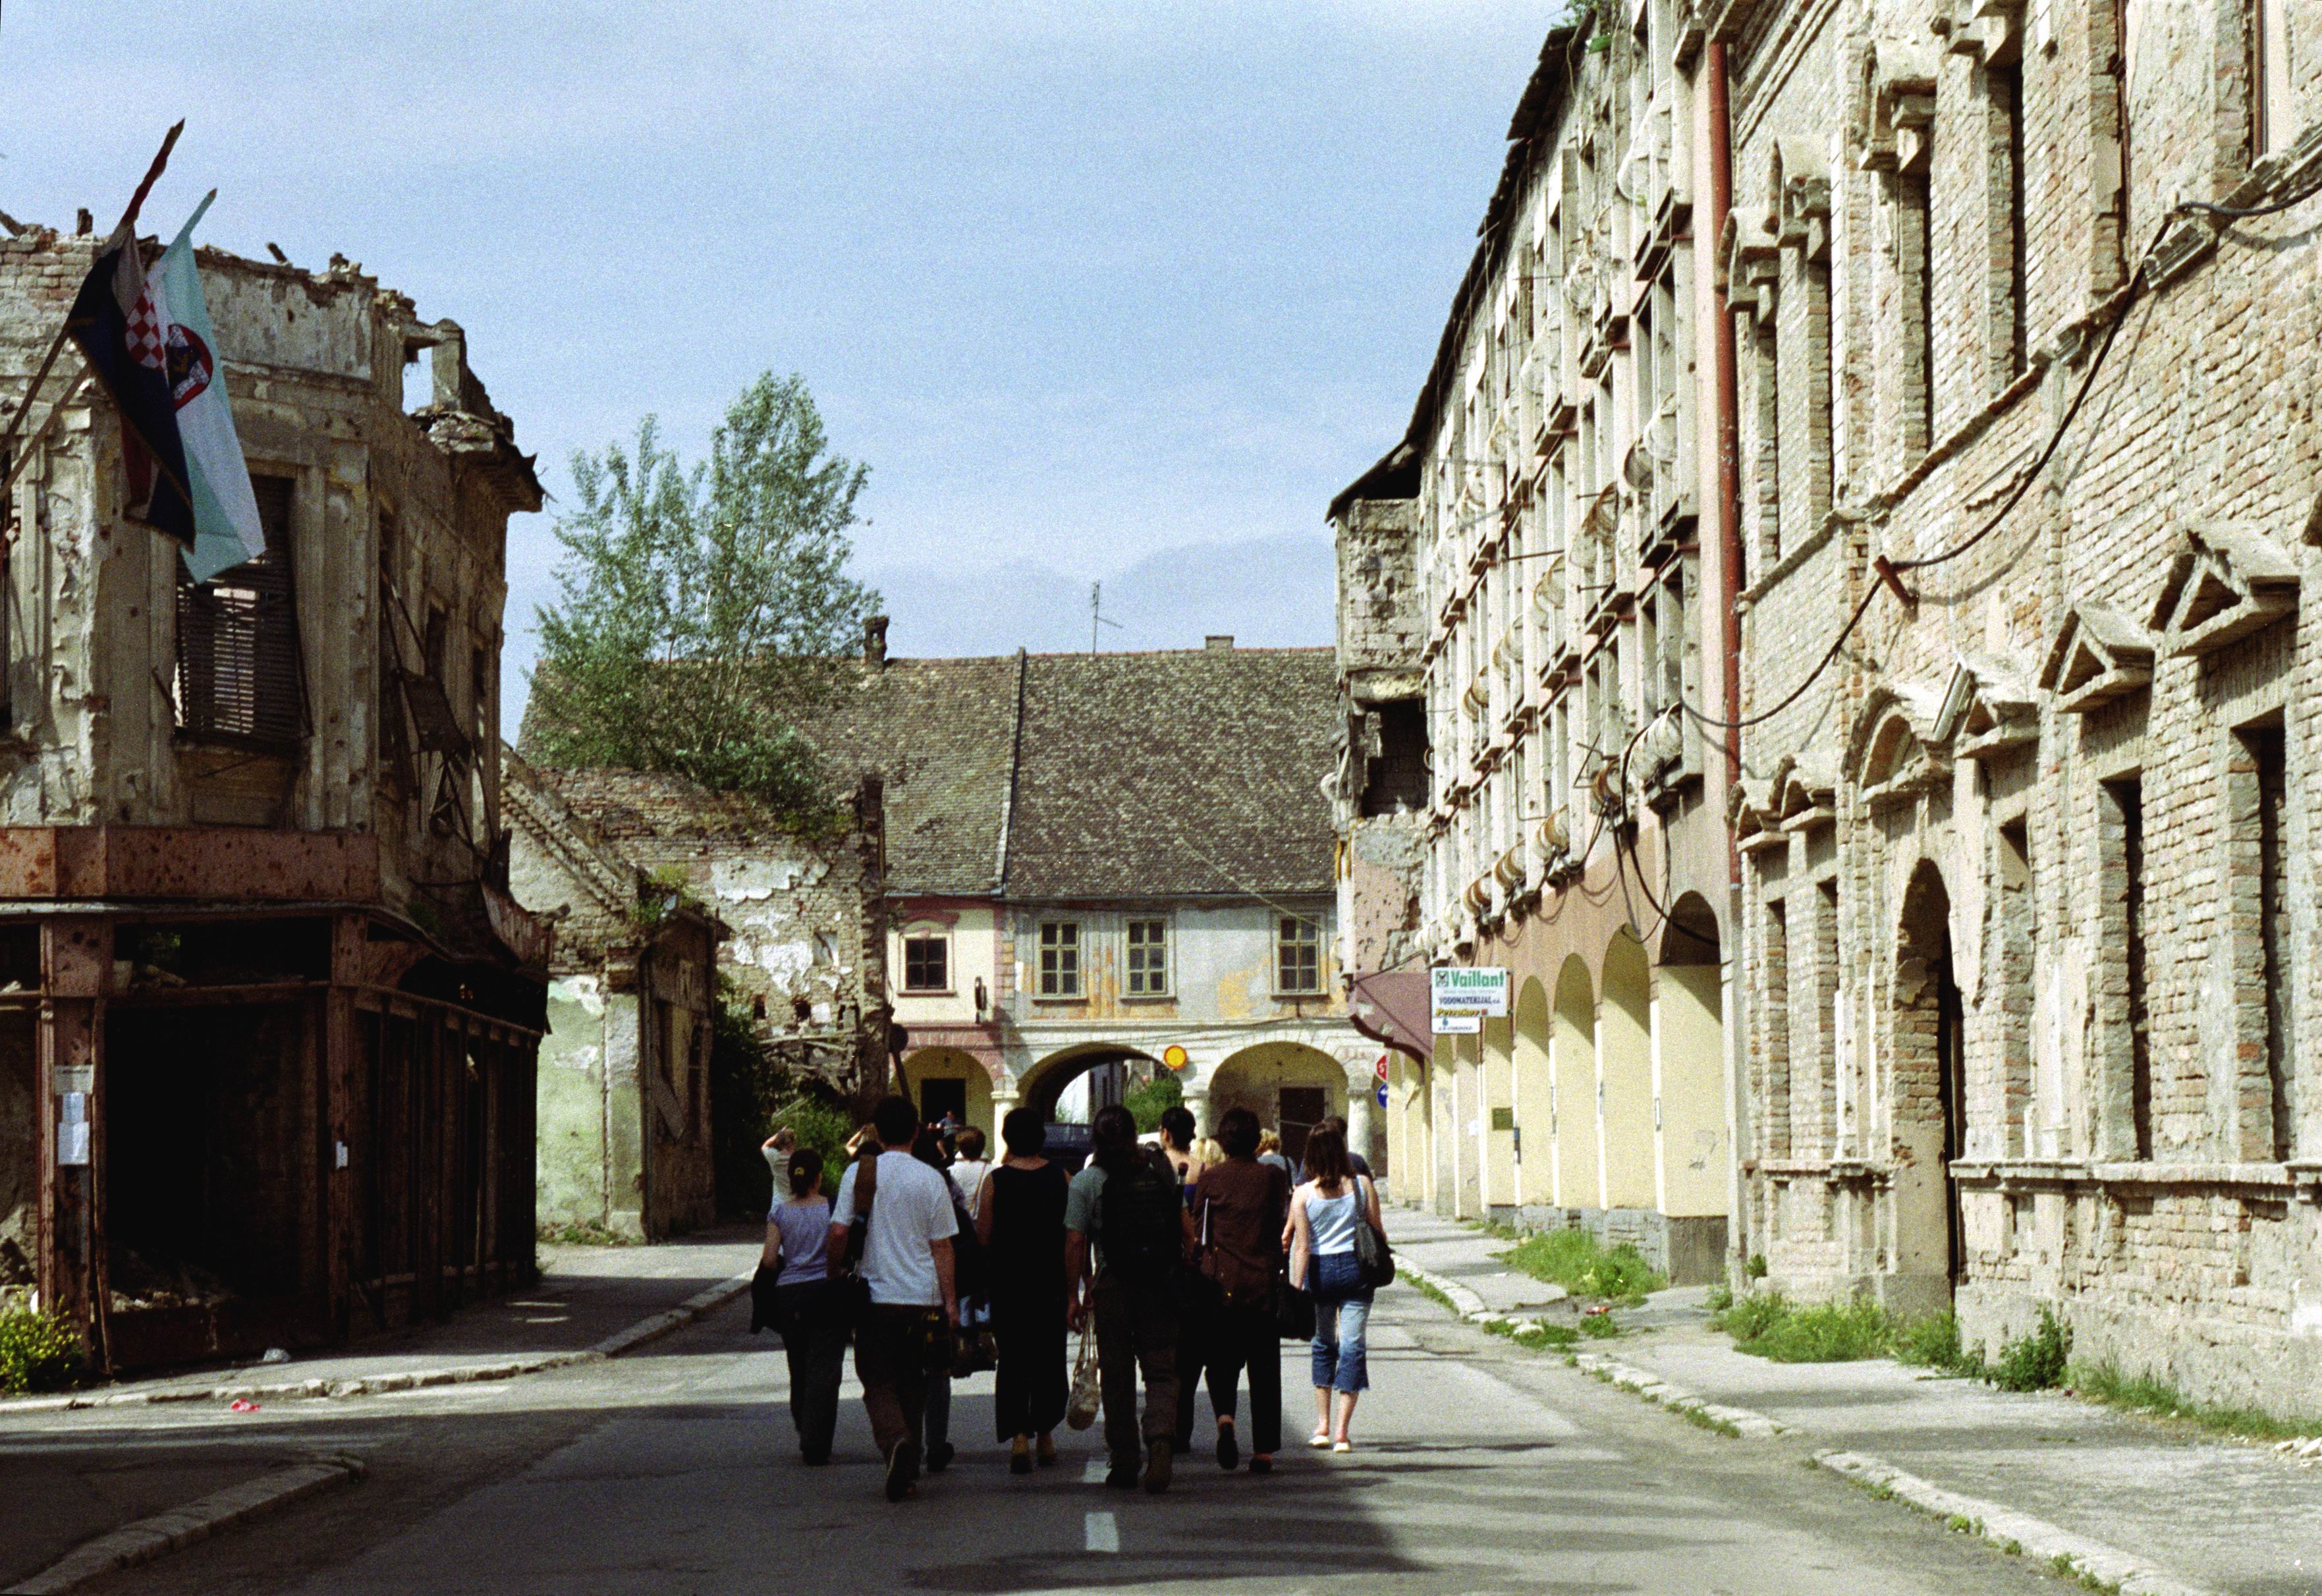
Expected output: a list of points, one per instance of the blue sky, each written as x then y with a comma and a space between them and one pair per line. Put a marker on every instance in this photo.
1100, 291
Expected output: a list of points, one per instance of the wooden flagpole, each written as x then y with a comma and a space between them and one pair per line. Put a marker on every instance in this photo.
56, 344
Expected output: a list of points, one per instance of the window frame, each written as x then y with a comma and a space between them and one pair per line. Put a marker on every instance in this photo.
940, 940
1285, 945
1158, 944
1057, 963
237, 671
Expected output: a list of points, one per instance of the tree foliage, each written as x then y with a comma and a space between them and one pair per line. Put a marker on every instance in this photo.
702, 608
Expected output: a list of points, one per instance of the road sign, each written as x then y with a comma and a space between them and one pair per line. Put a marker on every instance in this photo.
1379, 1070
1459, 998
1382, 1096
1174, 1056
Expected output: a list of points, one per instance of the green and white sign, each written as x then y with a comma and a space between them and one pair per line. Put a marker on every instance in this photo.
1460, 999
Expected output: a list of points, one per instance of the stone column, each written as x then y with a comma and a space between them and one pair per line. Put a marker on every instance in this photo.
1197, 1102
1362, 1103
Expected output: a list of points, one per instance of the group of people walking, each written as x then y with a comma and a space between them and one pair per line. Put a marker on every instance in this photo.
1192, 1259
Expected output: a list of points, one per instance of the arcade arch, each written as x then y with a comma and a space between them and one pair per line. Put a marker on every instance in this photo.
1288, 1085
939, 1079
1535, 1097
1689, 1064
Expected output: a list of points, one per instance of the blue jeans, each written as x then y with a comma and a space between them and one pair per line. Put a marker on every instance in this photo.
1342, 1313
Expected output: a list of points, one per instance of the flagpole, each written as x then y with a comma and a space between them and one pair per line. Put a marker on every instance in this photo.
56, 345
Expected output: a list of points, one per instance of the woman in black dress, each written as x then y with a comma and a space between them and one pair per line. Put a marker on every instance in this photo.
1020, 1221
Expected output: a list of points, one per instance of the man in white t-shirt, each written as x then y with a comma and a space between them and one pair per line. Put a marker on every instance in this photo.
906, 1261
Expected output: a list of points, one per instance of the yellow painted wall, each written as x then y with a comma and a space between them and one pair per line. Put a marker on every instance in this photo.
1625, 1065
1535, 1097
975, 951
1497, 1162
1689, 1066
1573, 1063
1253, 1079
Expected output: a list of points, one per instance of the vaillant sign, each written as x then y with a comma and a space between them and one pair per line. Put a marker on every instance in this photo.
1460, 999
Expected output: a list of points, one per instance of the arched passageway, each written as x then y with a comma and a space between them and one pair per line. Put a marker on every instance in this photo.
1535, 1101
1043, 1085
942, 1079
1625, 1060
1927, 1088
1288, 1085
1689, 1064
1573, 1066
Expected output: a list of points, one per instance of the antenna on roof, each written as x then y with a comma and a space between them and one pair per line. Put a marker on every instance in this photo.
1097, 617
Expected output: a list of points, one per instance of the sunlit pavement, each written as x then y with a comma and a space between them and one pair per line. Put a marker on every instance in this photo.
1480, 1467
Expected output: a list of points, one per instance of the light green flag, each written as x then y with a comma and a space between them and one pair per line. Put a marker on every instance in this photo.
226, 528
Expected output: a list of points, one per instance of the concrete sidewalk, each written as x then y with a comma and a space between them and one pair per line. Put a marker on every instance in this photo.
2217, 1514
1465, 1256
586, 1296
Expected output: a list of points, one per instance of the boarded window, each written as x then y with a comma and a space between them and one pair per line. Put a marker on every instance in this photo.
238, 641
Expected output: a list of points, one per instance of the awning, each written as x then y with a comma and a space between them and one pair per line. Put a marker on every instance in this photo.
1391, 1006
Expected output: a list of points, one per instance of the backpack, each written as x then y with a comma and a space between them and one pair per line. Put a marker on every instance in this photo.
1141, 1221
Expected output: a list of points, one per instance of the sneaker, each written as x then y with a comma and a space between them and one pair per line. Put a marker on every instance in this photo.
1342, 1445
939, 1456
1122, 1476
815, 1457
1262, 1463
1046, 1450
1319, 1439
902, 1468
1228, 1447
1157, 1468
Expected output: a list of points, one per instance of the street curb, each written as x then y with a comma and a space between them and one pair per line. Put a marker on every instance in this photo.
694, 1308
197, 1520
2013, 1531
1464, 1301
1750, 1424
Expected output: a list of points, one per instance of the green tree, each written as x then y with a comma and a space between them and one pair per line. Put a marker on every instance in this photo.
702, 609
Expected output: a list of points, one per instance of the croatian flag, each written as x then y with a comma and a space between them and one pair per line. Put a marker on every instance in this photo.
226, 528
120, 332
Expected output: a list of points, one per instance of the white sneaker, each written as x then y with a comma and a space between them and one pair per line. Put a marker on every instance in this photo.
1342, 1445
1319, 1439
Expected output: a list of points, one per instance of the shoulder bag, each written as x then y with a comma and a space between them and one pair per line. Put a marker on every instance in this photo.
850, 1291
1088, 1388
1373, 1256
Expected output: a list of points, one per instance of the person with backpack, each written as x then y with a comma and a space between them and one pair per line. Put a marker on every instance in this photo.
1240, 1206
1324, 1214
898, 1215
1126, 1205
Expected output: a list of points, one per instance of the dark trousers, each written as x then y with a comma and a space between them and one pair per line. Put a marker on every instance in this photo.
891, 1359
1247, 1335
1136, 1328
1194, 1330
814, 1343
1030, 1386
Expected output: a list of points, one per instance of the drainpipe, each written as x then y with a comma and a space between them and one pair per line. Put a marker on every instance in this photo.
1719, 176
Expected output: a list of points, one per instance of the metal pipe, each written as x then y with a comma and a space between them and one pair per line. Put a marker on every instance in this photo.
1729, 441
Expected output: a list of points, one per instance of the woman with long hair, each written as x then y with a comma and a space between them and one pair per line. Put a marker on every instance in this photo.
813, 1331
1324, 1213
1019, 1217
1239, 1211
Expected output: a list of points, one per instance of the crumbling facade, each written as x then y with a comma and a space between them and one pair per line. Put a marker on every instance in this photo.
269, 1021
2029, 929
624, 1098
1526, 600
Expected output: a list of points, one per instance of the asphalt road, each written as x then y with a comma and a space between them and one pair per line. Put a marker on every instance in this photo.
1481, 1467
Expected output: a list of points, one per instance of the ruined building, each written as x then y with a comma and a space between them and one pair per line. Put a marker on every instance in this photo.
623, 1106
267, 1015
2030, 941
1526, 595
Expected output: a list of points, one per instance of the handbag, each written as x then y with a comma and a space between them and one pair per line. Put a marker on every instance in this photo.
1373, 1256
1293, 1311
850, 1291
1088, 1389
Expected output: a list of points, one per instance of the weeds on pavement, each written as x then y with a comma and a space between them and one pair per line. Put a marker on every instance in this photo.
585, 1232
2105, 1383
1427, 1290
2036, 1361
38, 1350
1583, 1265
1534, 1336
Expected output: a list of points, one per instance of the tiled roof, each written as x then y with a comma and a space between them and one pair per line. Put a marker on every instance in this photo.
1179, 773
941, 733
1141, 775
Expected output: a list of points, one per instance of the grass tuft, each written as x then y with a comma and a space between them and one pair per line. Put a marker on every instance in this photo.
1427, 1289
2105, 1383
1820, 1333
1580, 1264
38, 1350
2036, 1361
